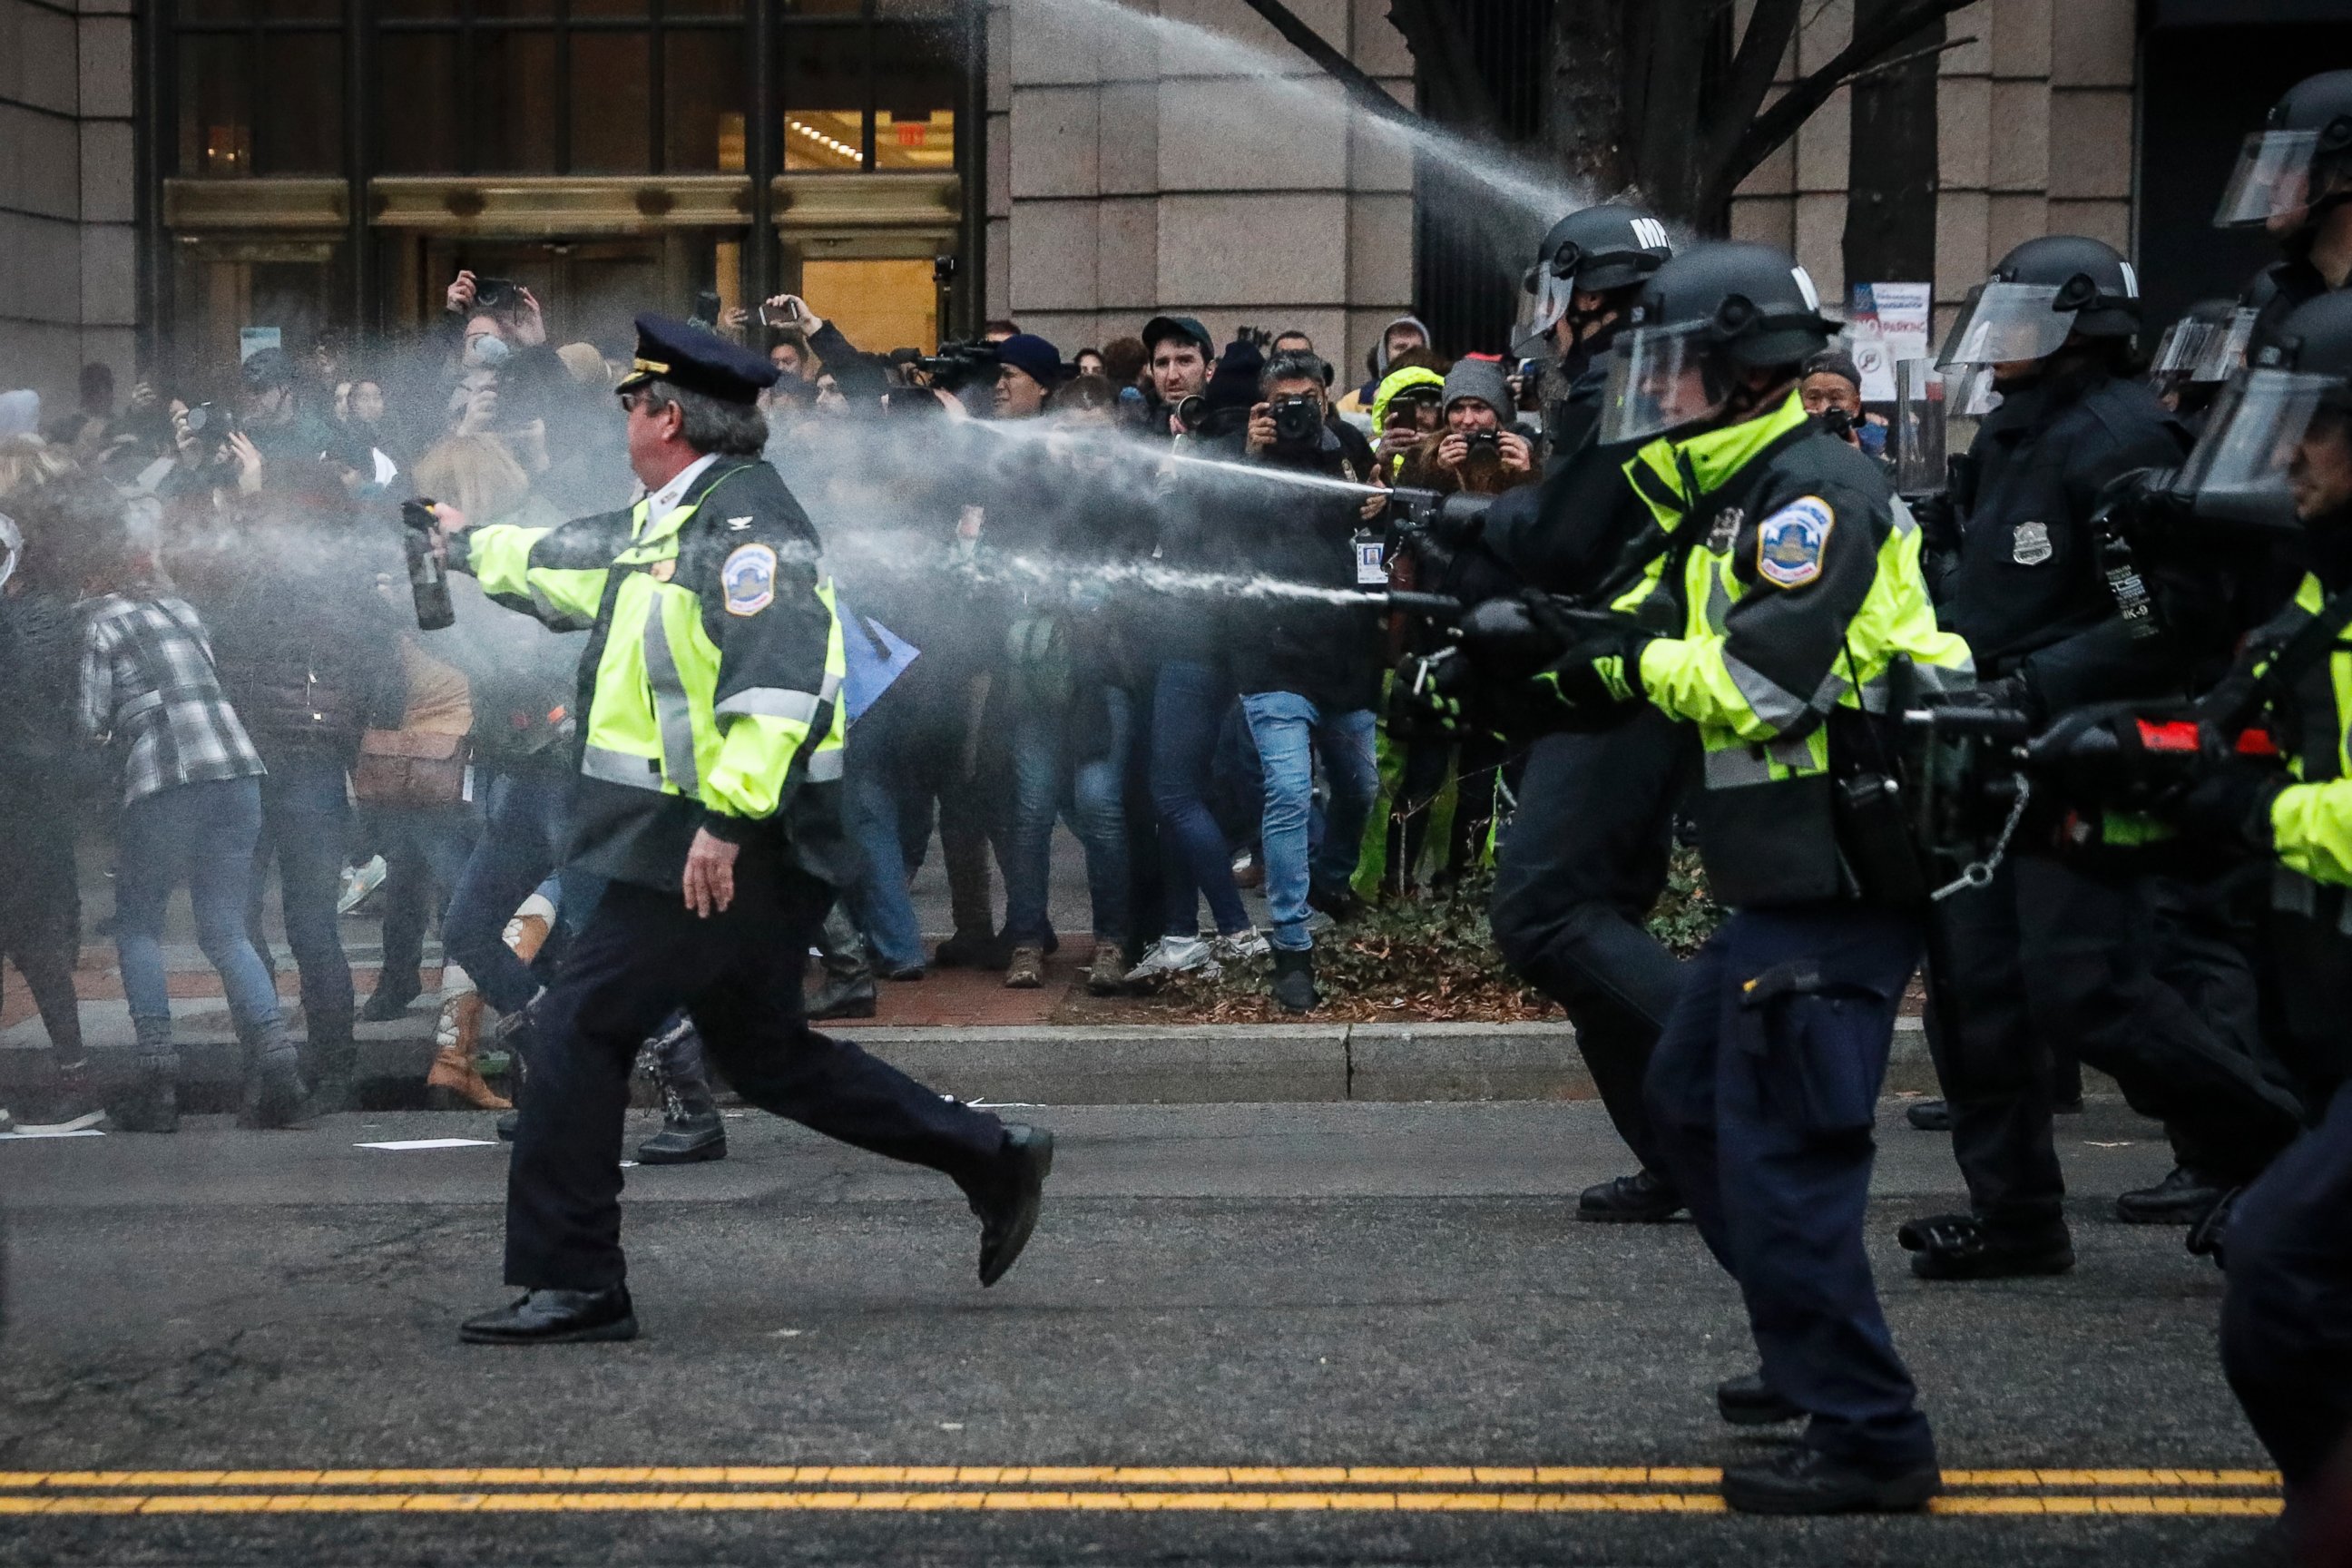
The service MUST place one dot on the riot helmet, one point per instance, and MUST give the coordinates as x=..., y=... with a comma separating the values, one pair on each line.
x=2299, y=165
x=2208, y=344
x=1600, y=250
x=1706, y=318
x=2042, y=293
x=2255, y=462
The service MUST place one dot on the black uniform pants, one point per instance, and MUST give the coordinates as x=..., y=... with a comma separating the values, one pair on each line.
x=1580, y=865
x=738, y=975
x=1765, y=1089
x=2148, y=977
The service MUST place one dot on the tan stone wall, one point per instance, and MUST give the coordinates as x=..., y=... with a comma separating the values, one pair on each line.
x=67, y=250
x=1125, y=177
x=2034, y=136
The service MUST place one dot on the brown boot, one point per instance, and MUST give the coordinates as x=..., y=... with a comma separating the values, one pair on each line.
x=455, y=1080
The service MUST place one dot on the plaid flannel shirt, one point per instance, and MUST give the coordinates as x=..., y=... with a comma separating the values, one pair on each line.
x=147, y=684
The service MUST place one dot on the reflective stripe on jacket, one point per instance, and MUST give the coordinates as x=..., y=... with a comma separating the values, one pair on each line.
x=711, y=684
x=2311, y=821
x=1793, y=585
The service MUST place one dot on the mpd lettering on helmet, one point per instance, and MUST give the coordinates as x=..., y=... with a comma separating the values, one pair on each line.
x=1789, y=542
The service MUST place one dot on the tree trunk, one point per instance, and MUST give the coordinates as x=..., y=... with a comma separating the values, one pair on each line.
x=1584, y=122
x=1890, y=215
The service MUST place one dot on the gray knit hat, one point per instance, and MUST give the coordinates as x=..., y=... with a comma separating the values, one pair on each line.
x=1482, y=379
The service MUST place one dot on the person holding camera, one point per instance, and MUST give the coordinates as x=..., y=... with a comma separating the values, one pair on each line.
x=1475, y=452
x=1180, y=357
x=1832, y=394
x=1308, y=672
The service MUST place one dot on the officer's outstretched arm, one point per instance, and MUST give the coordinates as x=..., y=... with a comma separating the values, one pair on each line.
x=555, y=573
x=779, y=655
x=1767, y=674
x=2311, y=825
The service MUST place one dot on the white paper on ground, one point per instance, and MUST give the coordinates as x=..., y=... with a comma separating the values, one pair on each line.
x=29, y=1133
x=403, y=1146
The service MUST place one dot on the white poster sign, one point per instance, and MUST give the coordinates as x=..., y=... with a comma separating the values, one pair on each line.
x=1889, y=323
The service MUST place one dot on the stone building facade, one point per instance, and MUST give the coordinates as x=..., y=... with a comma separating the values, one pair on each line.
x=69, y=192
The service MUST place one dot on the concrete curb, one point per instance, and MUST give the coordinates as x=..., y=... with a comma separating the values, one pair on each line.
x=1061, y=1065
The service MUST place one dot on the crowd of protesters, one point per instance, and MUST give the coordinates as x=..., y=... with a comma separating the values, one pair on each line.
x=208, y=614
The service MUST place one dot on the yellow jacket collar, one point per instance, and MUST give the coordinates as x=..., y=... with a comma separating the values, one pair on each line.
x=1714, y=457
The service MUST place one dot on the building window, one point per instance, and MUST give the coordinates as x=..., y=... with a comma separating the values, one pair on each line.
x=876, y=94
x=229, y=49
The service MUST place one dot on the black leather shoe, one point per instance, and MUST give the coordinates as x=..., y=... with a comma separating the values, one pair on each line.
x=965, y=952
x=2184, y=1197
x=843, y=999
x=1963, y=1246
x=1642, y=1199
x=1798, y=1479
x=386, y=1004
x=1751, y=1402
x=555, y=1318
x=1931, y=1116
x=900, y=972
x=686, y=1140
x=1008, y=1208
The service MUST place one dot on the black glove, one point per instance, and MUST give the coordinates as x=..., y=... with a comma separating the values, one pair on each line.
x=2142, y=498
x=2230, y=804
x=1429, y=699
x=1511, y=639
x=1600, y=673
x=2008, y=694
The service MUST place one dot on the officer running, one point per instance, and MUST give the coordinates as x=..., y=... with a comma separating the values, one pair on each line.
x=706, y=793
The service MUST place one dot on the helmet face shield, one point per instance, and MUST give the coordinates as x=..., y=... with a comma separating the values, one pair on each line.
x=1664, y=378
x=2272, y=179
x=12, y=545
x=1544, y=298
x=1921, y=415
x=2005, y=323
x=2203, y=351
x=2243, y=468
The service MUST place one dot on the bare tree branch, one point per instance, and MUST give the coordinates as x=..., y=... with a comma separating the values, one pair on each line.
x=1762, y=49
x=1368, y=94
x=1765, y=134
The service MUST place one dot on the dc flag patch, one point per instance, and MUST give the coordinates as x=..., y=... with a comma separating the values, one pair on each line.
x=1789, y=543
x=749, y=578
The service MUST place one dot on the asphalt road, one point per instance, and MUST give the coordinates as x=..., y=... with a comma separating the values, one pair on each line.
x=1393, y=1288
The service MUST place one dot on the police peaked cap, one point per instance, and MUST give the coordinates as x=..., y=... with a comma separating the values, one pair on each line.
x=1753, y=300
x=1606, y=247
x=688, y=358
x=2092, y=277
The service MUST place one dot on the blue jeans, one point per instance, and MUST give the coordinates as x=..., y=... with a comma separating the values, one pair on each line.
x=872, y=767
x=521, y=842
x=1188, y=711
x=202, y=835
x=425, y=851
x=1290, y=732
x=305, y=821
x=1085, y=792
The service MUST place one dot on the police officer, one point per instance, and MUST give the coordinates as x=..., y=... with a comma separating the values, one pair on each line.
x=1585, y=856
x=707, y=792
x=2293, y=179
x=1792, y=587
x=2286, y=1320
x=2105, y=941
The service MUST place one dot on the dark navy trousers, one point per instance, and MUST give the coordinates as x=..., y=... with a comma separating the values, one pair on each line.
x=1763, y=1092
x=2286, y=1320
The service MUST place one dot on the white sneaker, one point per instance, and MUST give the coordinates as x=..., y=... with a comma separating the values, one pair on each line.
x=1241, y=946
x=360, y=883
x=6, y=1121
x=1171, y=955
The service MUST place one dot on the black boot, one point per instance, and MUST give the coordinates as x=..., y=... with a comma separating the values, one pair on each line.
x=2184, y=1197
x=331, y=1062
x=1931, y=1116
x=843, y=998
x=692, y=1129
x=152, y=1104
x=1800, y=1479
x=1964, y=1246
x=72, y=1104
x=1751, y=1402
x=1294, y=980
x=1641, y=1198
x=273, y=1093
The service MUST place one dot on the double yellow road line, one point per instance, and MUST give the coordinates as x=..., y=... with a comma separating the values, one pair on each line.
x=1211, y=1489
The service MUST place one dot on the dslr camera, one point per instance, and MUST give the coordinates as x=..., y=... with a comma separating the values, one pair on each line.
x=1484, y=444
x=958, y=365
x=1296, y=422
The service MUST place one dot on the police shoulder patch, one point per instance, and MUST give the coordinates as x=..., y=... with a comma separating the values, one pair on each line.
x=1789, y=542
x=749, y=578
